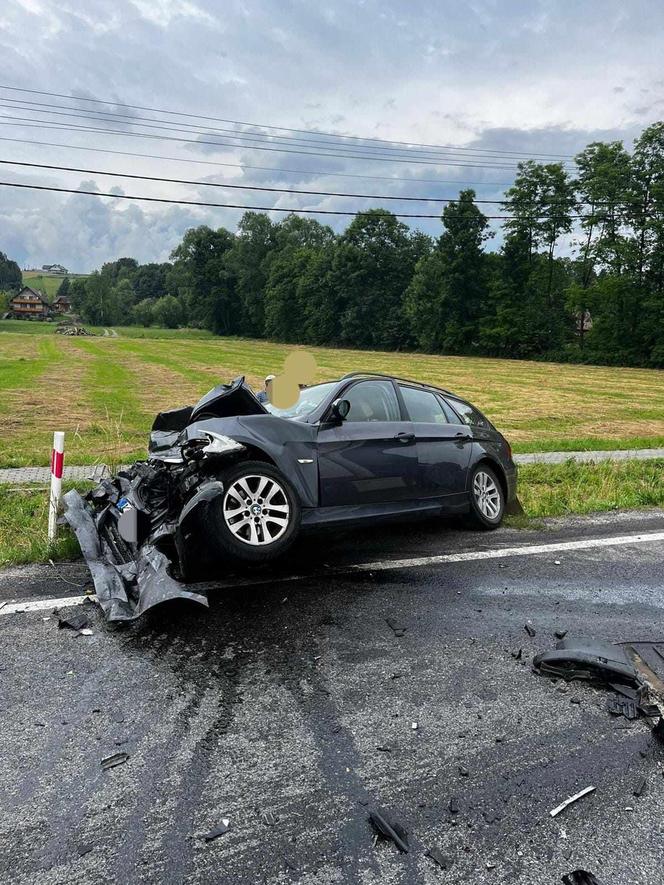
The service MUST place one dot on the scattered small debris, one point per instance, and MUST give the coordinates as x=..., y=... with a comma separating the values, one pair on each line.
x=219, y=830
x=443, y=861
x=396, y=628
x=463, y=771
x=77, y=621
x=383, y=748
x=580, y=877
x=84, y=848
x=640, y=788
x=574, y=798
x=455, y=805
x=517, y=654
x=86, y=631
x=556, y=562
x=414, y=726
x=389, y=829
x=490, y=865
x=115, y=759
x=622, y=707
x=530, y=630
x=560, y=634
x=575, y=700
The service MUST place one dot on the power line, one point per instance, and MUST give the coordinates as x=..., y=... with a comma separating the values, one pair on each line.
x=256, y=125
x=252, y=140
x=374, y=213
x=128, y=119
x=249, y=187
x=273, y=169
x=29, y=122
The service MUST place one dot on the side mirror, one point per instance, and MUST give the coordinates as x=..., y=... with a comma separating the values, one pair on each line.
x=340, y=409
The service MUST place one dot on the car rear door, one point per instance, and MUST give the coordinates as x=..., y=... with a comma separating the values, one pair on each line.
x=370, y=457
x=443, y=443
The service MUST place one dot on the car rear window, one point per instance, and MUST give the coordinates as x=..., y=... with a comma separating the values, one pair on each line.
x=469, y=414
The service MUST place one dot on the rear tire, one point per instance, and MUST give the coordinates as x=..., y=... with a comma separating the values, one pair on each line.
x=258, y=516
x=487, y=498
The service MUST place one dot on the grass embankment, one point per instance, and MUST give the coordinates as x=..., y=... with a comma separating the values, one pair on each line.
x=24, y=528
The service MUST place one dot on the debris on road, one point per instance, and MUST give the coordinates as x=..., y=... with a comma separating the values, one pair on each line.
x=587, y=659
x=561, y=634
x=622, y=707
x=77, y=621
x=217, y=831
x=387, y=828
x=114, y=760
x=640, y=788
x=398, y=629
x=580, y=877
x=563, y=805
x=530, y=630
x=443, y=861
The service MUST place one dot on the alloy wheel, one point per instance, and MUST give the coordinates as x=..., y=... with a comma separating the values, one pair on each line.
x=256, y=509
x=487, y=495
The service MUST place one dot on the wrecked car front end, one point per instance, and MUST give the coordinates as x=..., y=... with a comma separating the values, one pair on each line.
x=139, y=531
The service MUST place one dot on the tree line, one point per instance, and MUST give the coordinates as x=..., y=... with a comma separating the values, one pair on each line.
x=579, y=275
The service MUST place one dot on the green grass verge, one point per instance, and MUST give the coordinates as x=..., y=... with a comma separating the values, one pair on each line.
x=24, y=527
x=571, y=488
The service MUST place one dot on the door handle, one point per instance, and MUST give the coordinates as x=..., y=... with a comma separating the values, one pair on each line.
x=405, y=437
x=462, y=437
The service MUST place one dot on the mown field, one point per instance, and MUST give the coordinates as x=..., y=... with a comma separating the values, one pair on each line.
x=104, y=391
x=48, y=283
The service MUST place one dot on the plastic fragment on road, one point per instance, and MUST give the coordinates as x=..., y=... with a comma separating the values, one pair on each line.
x=640, y=788
x=530, y=630
x=390, y=829
x=114, y=760
x=443, y=861
x=587, y=659
x=580, y=877
x=78, y=621
x=217, y=831
x=622, y=707
x=575, y=798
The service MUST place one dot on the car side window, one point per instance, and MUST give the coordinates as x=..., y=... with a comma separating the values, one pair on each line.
x=469, y=414
x=373, y=401
x=423, y=407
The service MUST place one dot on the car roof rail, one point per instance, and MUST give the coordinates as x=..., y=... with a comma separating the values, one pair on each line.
x=349, y=375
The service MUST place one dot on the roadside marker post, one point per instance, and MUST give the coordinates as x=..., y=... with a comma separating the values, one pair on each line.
x=57, y=463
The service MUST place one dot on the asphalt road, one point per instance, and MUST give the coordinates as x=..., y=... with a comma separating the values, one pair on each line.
x=288, y=709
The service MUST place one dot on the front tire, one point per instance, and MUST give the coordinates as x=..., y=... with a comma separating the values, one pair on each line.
x=259, y=515
x=487, y=498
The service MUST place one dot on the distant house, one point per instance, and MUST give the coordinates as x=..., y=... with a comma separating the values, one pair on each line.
x=29, y=304
x=55, y=268
x=61, y=304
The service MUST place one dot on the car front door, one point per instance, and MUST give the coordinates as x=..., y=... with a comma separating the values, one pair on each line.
x=371, y=456
x=443, y=443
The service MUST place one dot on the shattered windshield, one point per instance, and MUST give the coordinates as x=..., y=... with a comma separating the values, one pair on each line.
x=310, y=398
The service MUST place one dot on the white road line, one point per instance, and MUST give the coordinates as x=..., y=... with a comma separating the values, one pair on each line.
x=381, y=565
x=38, y=605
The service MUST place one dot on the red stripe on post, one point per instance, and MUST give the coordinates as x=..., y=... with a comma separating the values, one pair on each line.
x=57, y=462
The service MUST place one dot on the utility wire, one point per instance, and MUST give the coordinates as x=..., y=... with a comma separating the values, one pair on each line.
x=273, y=169
x=244, y=123
x=282, y=190
x=374, y=213
x=250, y=187
x=341, y=141
x=73, y=127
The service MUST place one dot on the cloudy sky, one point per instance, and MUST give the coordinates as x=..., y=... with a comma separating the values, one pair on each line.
x=496, y=80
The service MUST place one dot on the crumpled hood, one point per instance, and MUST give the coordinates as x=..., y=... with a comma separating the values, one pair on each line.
x=223, y=401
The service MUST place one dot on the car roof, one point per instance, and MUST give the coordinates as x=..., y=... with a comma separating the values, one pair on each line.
x=422, y=384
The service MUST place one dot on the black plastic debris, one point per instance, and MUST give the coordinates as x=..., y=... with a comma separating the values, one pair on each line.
x=561, y=634
x=640, y=788
x=587, y=659
x=388, y=828
x=398, y=629
x=580, y=877
x=114, y=760
x=530, y=630
x=217, y=831
x=443, y=861
x=76, y=621
x=622, y=707
x=455, y=805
